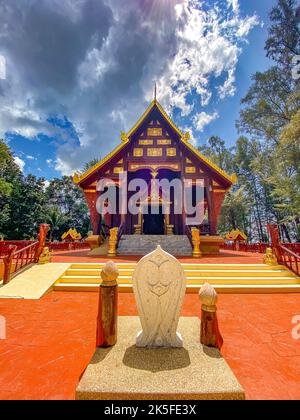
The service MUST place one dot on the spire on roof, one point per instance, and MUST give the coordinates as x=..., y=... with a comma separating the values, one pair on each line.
x=155, y=91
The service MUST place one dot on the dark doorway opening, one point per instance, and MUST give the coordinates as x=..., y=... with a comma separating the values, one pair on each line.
x=154, y=224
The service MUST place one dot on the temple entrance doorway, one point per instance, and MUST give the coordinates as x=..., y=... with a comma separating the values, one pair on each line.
x=154, y=224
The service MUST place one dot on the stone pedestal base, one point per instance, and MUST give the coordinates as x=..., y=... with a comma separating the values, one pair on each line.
x=124, y=371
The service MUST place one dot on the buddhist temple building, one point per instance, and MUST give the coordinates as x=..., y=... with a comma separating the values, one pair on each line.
x=156, y=148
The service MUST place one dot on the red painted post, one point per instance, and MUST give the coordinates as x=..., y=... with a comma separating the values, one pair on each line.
x=44, y=228
x=275, y=240
x=108, y=306
x=8, y=261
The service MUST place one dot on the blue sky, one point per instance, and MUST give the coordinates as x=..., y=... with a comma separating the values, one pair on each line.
x=85, y=70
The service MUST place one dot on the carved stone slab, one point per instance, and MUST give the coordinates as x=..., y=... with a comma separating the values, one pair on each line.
x=159, y=285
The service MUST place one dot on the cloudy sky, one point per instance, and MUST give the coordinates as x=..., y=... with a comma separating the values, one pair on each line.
x=75, y=73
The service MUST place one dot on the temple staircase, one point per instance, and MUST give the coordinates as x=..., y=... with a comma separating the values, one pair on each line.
x=178, y=245
x=226, y=278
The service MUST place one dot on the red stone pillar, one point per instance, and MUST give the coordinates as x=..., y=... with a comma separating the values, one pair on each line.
x=108, y=307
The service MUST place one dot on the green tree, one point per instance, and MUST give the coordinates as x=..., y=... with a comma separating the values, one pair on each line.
x=56, y=221
x=67, y=199
x=27, y=208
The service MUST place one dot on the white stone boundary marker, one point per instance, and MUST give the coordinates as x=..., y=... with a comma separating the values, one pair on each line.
x=159, y=285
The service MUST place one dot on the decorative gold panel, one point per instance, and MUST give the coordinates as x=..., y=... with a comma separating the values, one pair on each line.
x=138, y=152
x=154, y=151
x=121, y=161
x=188, y=160
x=145, y=142
x=171, y=151
x=118, y=170
x=164, y=142
x=154, y=132
x=190, y=170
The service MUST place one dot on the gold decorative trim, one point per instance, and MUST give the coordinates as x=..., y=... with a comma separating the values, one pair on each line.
x=118, y=170
x=90, y=191
x=137, y=166
x=154, y=132
x=146, y=142
x=190, y=170
x=164, y=142
x=171, y=151
x=155, y=151
x=138, y=152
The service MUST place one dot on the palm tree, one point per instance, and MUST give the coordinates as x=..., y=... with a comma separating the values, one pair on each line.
x=56, y=219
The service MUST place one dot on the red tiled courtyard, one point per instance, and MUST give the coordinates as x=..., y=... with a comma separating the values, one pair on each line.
x=50, y=341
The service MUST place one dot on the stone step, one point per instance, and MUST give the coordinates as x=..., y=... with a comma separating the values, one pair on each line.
x=189, y=272
x=177, y=245
x=191, y=280
x=189, y=266
x=193, y=289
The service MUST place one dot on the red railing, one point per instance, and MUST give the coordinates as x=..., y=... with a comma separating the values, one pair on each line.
x=67, y=246
x=259, y=248
x=289, y=258
x=16, y=259
x=53, y=246
x=292, y=247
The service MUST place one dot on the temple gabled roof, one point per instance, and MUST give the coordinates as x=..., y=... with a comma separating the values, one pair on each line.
x=126, y=138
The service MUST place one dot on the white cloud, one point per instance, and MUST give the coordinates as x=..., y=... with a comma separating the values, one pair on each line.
x=99, y=66
x=202, y=119
x=29, y=157
x=2, y=67
x=46, y=184
x=19, y=162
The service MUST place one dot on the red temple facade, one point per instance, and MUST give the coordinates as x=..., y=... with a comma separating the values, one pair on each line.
x=156, y=148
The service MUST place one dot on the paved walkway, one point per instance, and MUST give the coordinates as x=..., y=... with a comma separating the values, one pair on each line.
x=50, y=341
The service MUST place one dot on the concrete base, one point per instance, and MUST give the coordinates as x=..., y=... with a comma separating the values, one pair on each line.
x=210, y=245
x=126, y=372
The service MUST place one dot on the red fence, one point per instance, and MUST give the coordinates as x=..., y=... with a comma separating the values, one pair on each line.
x=258, y=248
x=53, y=246
x=67, y=246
